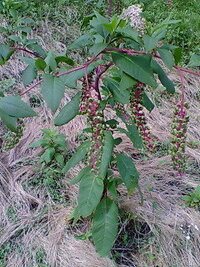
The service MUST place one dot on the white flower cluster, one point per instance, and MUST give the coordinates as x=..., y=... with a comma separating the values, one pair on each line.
x=133, y=15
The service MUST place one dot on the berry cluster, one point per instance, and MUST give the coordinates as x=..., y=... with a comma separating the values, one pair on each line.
x=139, y=115
x=12, y=138
x=179, y=130
x=90, y=105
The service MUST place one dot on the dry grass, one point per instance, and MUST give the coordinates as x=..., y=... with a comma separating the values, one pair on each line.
x=32, y=223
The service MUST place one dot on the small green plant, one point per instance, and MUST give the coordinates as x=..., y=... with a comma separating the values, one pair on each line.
x=193, y=198
x=54, y=145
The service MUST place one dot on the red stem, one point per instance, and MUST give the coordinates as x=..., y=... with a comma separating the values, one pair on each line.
x=26, y=50
x=61, y=74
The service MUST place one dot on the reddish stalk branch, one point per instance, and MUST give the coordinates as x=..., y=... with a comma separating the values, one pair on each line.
x=26, y=50
x=61, y=74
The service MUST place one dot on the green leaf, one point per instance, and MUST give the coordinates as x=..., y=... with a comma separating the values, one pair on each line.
x=82, y=173
x=15, y=38
x=194, y=61
x=178, y=53
x=9, y=121
x=90, y=193
x=27, y=60
x=37, y=49
x=129, y=33
x=137, y=67
x=105, y=226
x=106, y=154
x=14, y=106
x=40, y=64
x=128, y=172
x=50, y=61
x=29, y=75
x=134, y=135
x=53, y=90
x=149, y=42
x=60, y=159
x=48, y=155
x=167, y=57
x=126, y=82
x=5, y=53
x=146, y=102
x=80, y=154
x=37, y=143
x=82, y=41
x=97, y=48
x=132, y=132
x=111, y=27
x=166, y=82
x=64, y=59
x=119, y=95
x=69, y=111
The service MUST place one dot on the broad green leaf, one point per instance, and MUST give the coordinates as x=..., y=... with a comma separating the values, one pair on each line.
x=15, y=38
x=37, y=143
x=27, y=60
x=111, y=27
x=37, y=49
x=50, y=61
x=64, y=59
x=79, y=155
x=60, y=159
x=137, y=67
x=82, y=41
x=5, y=53
x=178, y=53
x=146, y=102
x=126, y=81
x=53, y=90
x=128, y=172
x=129, y=33
x=166, y=82
x=132, y=131
x=194, y=61
x=14, y=106
x=167, y=57
x=29, y=75
x=113, y=86
x=134, y=135
x=69, y=111
x=105, y=226
x=96, y=24
x=97, y=48
x=90, y=193
x=48, y=155
x=149, y=42
x=9, y=121
x=106, y=154
x=40, y=64
x=82, y=173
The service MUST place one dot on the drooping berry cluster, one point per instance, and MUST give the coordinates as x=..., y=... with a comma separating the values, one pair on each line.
x=90, y=106
x=179, y=130
x=12, y=138
x=139, y=115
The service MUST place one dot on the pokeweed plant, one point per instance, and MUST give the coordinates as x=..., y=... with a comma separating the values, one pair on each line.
x=121, y=67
